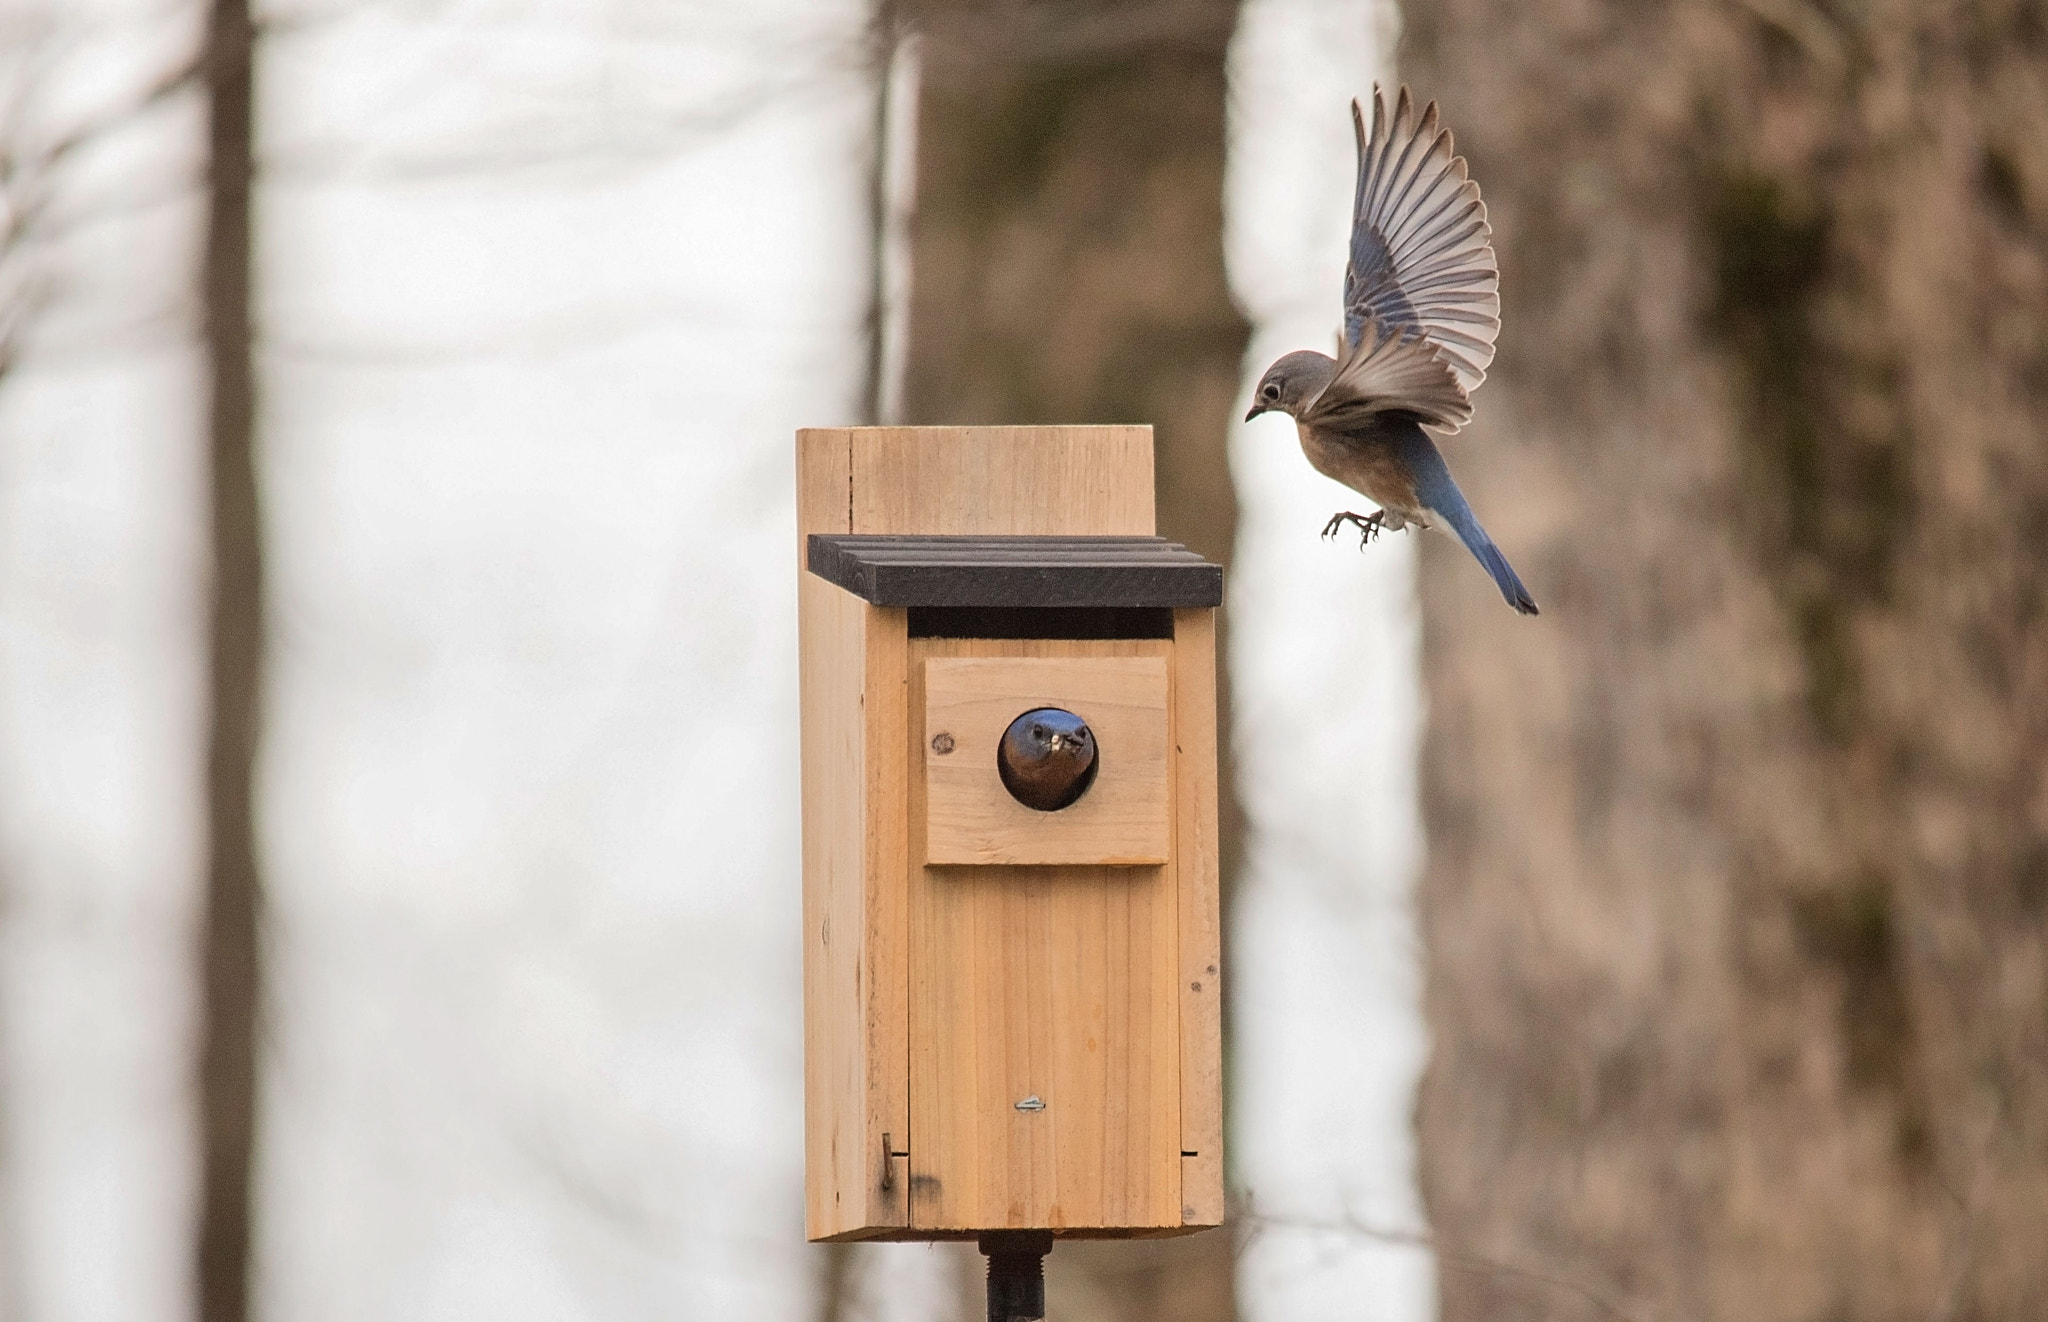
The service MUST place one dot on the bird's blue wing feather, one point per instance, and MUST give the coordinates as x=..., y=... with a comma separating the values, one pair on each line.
x=1421, y=262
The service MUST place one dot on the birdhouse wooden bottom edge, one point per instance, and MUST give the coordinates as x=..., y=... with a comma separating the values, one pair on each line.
x=903, y=1235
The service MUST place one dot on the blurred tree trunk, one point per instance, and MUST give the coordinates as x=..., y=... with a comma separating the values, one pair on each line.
x=231, y=975
x=1736, y=909
x=1067, y=266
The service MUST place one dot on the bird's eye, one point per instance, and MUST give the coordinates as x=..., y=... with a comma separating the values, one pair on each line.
x=1039, y=732
x=1271, y=391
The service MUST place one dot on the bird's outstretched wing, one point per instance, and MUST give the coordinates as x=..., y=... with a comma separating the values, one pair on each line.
x=1386, y=369
x=1421, y=262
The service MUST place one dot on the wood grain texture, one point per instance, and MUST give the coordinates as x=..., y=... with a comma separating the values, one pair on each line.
x=1122, y=819
x=1095, y=288
x=856, y=989
x=1197, y=882
x=1054, y=982
x=1036, y=481
x=1069, y=982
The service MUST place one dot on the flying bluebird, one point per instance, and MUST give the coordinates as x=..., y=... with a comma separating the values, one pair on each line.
x=1421, y=309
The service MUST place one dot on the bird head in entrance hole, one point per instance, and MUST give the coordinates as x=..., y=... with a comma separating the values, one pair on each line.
x=1047, y=758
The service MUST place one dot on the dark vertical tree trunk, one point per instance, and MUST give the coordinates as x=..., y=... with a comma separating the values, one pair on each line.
x=884, y=34
x=1737, y=892
x=231, y=969
x=1067, y=266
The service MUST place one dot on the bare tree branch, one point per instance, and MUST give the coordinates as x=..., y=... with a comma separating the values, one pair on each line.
x=1458, y=1259
x=31, y=170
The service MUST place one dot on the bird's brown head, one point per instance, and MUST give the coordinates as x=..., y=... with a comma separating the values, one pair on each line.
x=1291, y=383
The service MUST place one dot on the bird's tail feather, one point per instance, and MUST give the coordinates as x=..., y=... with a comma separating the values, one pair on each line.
x=1439, y=493
x=1466, y=526
x=1504, y=575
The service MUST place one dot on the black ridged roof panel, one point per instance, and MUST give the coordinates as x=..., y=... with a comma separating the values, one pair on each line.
x=1016, y=571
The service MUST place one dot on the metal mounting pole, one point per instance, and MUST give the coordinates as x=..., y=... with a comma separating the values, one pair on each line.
x=1016, y=1274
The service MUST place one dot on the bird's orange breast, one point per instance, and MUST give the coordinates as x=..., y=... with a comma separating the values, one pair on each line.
x=1368, y=467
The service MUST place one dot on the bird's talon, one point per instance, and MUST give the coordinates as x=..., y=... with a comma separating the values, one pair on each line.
x=1369, y=525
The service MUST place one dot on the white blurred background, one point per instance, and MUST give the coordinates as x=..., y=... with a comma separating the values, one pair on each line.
x=545, y=290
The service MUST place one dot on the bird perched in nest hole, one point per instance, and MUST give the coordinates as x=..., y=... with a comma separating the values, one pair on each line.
x=1421, y=310
x=1047, y=758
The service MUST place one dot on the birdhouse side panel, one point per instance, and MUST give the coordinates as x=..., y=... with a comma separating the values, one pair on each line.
x=856, y=981
x=1197, y=881
x=855, y=977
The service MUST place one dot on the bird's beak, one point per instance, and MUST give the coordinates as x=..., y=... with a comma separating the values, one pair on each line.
x=1257, y=409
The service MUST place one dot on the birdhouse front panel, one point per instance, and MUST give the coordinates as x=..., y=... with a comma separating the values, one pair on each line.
x=1045, y=1084
x=1011, y=945
x=970, y=704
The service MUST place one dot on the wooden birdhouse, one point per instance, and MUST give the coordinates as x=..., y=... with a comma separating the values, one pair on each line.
x=1011, y=936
